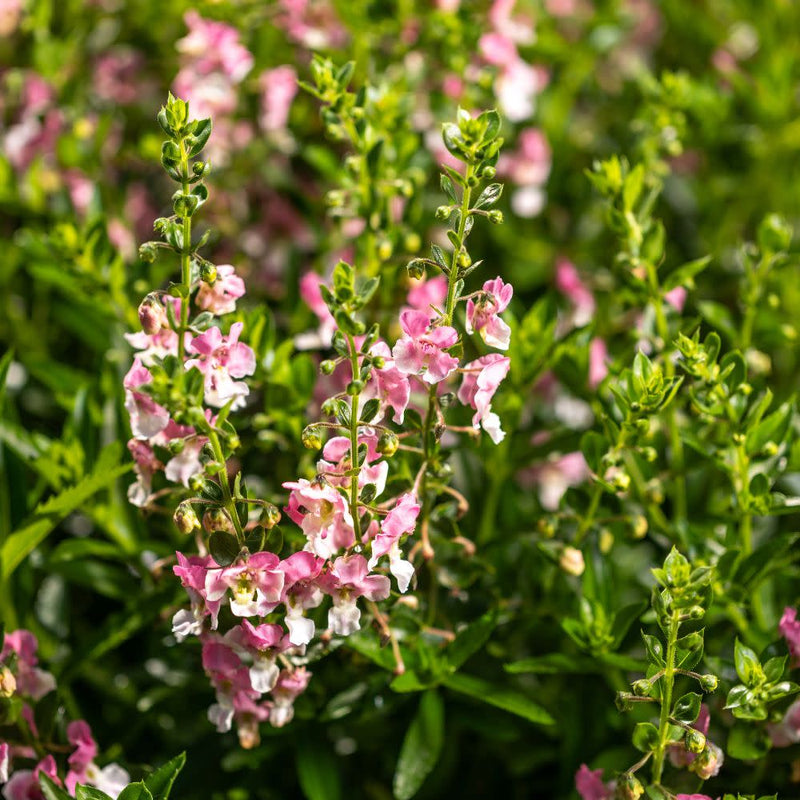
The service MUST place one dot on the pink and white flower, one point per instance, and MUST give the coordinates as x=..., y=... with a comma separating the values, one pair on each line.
x=301, y=592
x=4, y=762
x=590, y=786
x=346, y=581
x=262, y=643
x=400, y=521
x=255, y=585
x=789, y=628
x=220, y=359
x=312, y=296
x=221, y=297
x=278, y=89
x=421, y=351
x=481, y=380
x=290, y=685
x=193, y=572
x=336, y=459
x=148, y=418
x=323, y=514
x=482, y=313
x=429, y=295
x=31, y=681
x=24, y=783
x=569, y=283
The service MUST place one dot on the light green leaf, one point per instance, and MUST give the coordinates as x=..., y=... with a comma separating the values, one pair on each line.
x=160, y=782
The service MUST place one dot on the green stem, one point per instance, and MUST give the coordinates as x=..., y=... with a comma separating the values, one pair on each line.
x=186, y=268
x=452, y=278
x=228, y=501
x=588, y=517
x=354, y=465
x=667, y=683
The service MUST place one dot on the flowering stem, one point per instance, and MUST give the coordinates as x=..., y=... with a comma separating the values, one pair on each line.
x=230, y=504
x=452, y=278
x=186, y=267
x=667, y=682
x=354, y=465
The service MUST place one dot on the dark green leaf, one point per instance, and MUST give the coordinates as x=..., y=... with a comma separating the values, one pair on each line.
x=421, y=746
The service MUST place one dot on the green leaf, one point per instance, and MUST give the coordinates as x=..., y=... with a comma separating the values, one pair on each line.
x=470, y=640
x=489, y=196
x=89, y=793
x=645, y=737
x=772, y=428
x=506, y=699
x=135, y=791
x=50, y=789
x=160, y=782
x=623, y=620
x=318, y=772
x=421, y=747
x=566, y=663
x=683, y=274
x=748, y=667
x=5, y=363
x=50, y=513
x=687, y=708
x=224, y=548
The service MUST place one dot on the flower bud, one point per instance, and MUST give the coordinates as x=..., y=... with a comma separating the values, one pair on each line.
x=329, y=407
x=379, y=362
x=355, y=387
x=629, y=787
x=200, y=168
x=464, y=259
x=709, y=683
x=571, y=561
x=641, y=688
x=270, y=516
x=217, y=519
x=546, y=527
x=708, y=763
x=147, y=252
x=623, y=701
x=208, y=273
x=488, y=173
x=443, y=212
x=185, y=519
x=152, y=315
x=496, y=216
x=311, y=437
x=416, y=268
x=695, y=741
x=327, y=366
x=8, y=683
x=696, y=612
x=176, y=446
x=385, y=250
x=639, y=525
x=605, y=541
x=388, y=444
x=412, y=242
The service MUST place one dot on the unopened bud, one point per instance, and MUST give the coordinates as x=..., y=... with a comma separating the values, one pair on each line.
x=385, y=250
x=623, y=701
x=311, y=437
x=327, y=366
x=605, y=541
x=488, y=172
x=708, y=763
x=443, y=212
x=200, y=168
x=639, y=525
x=770, y=449
x=709, y=683
x=464, y=259
x=629, y=787
x=641, y=688
x=496, y=216
x=208, y=273
x=546, y=527
x=8, y=683
x=152, y=315
x=416, y=268
x=412, y=242
x=147, y=252
x=571, y=561
x=355, y=387
x=270, y=516
x=185, y=519
x=329, y=407
x=695, y=741
x=696, y=612
x=217, y=519
x=249, y=737
x=379, y=362
x=388, y=444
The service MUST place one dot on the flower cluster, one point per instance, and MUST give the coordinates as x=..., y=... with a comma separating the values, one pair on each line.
x=22, y=684
x=252, y=603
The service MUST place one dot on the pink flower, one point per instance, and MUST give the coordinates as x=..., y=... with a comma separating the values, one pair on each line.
x=255, y=585
x=290, y=685
x=193, y=572
x=300, y=592
x=336, y=455
x=426, y=293
x=497, y=49
x=215, y=45
x=31, y=681
x=482, y=313
x=24, y=783
x=401, y=520
x=4, y=761
x=555, y=476
x=323, y=514
x=148, y=418
x=787, y=731
x=422, y=348
x=312, y=296
x=692, y=797
x=263, y=643
x=676, y=298
x=388, y=384
x=345, y=583
x=278, y=89
x=590, y=786
x=222, y=296
x=221, y=358
x=145, y=466
x=481, y=379
x=789, y=628
x=186, y=464
x=598, y=368
x=569, y=283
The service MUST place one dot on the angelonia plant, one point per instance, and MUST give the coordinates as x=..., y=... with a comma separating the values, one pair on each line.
x=34, y=763
x=265, y=600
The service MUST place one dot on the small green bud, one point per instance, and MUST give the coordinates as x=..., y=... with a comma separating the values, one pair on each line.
x=472, y=181
x=311, y=437
x=352, y=164
x=355, y=387
x=379, y=362
x=270, y=516
x=217, y=519
x=774, y=234
x=416, y=268
x=770, y=449
x=147, y=252
x=176, y=446
x=464, y=259
x=443, y=212
x=388, y=444
x=640, y=526
x=488, y=173
x=629, y=787
x=200, y=168
x=234, y=442
x=327, y=366
x=695, y=741
x=196, y=483
x=709, y=683
x=329, y=407
x=696, y=612
x=185, y=518
x=546, y=527
x=496, y=216
x=641, y=688
x=208, y=273
x=623, y=701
